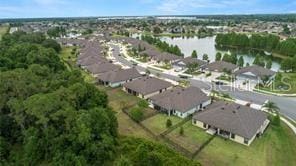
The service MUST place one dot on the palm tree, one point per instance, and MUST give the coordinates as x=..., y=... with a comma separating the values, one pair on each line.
x=270, y=106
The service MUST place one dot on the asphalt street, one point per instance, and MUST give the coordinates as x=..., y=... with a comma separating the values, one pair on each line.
x=287, y=105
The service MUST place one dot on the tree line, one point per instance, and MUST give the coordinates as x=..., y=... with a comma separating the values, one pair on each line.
x=270, y=43
x=50, y=116
x=164, y=46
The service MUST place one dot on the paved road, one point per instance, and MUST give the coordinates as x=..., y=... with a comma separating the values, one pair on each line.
x=287, y=105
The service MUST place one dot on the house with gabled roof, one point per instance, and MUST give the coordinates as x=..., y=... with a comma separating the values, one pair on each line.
x=100, y=68
x=254, y=73
x=145, y=87
x=184, y=62
x=236, y=122
x=117, y=78
x=181, y=102
x=220, y=66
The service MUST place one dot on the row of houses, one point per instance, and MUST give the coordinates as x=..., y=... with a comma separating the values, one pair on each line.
x=177, y=101
x=238, y=123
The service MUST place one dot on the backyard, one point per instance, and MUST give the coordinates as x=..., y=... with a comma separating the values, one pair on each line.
x=276, y=147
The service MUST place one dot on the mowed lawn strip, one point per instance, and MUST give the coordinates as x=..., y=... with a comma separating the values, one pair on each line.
x=157, y=123
x=192, y=138
x=276, y=147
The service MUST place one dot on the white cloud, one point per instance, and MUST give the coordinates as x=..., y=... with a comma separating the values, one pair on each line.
x=180, y=6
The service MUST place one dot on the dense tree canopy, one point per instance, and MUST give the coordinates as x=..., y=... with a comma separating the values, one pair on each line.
x=164, y=46
x=255, y=41
x=50, y=116
x=49, y=112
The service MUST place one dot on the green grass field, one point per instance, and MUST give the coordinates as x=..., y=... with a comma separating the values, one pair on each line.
x=276, y=147
x=157, y=123
x=192, y=139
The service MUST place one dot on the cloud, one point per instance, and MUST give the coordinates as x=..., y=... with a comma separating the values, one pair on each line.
x=181, y=6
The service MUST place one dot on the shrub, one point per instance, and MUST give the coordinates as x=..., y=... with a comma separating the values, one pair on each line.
x=169, y=123
x=143, y=104
x=181, y=132
x=136, y=114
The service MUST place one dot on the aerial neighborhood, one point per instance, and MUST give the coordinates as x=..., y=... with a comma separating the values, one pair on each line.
x=148, y=90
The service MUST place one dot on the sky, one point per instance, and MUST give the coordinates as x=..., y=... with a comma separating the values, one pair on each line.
x=80, y=8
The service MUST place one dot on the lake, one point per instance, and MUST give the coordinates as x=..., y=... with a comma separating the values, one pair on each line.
x=207, y=46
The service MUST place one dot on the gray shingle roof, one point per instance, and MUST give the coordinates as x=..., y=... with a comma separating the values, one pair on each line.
x=220, y=66
x=256, y=70
x=166, y=57
x=189, y=60
x=99, y=68
x=241, y=120
x=147, y=85
x=181, y=99
x=120, y=75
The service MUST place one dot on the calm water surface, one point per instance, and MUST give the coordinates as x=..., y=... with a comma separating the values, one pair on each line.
x=207, y=46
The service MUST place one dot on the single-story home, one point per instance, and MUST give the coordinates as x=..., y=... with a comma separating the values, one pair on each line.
x=238, y=123
x=146, y=87
x=119, y=77
x=99, y=68
x=254, y=73
x=88, y=61
x=220, y=66
x=183, y=63
x=166, y=58
x=180, y=101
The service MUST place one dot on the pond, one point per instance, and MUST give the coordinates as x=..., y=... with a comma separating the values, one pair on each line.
x=207, y=46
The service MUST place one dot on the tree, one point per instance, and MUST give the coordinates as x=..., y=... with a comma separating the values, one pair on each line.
x=218, y=56
x=181, y=131
x=205, y=57
x=269, y=64
x=276, y=120
x=169, y=123
x=50, y=43
x=157, y=30
x=143, y=104
x=136, y=114
x=287, y=64
x=240, y=61
x=259, y=61
x=194, y=54
x=270, y=106
x=147, y=72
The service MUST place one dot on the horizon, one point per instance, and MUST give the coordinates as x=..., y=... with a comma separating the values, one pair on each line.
x=18, y=9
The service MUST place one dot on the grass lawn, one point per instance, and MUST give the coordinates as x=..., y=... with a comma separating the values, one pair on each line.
x=157, y=123
x=118, y=98
x=166, y=66
x=128, y=127
x=193, y=137
x=3, y=30
x=287, y=86
x=276, y=147
x=225, y=78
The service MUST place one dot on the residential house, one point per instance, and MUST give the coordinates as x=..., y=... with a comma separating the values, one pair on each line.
x=181, y=102
x=220, y=66
x=238, y=123
x=254, y=73
x=184, y=62
x=146, y=87
x=165, y=58
x=118, y=77
x=99, y=68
